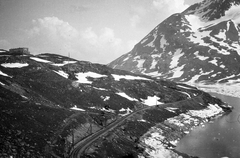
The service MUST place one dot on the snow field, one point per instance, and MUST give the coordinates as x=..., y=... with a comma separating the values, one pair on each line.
x=198, y=36
x=153, y=142
x=229, y=89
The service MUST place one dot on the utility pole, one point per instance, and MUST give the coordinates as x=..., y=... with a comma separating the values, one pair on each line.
x=90, y=127
x=68, y=61
x=72, y=137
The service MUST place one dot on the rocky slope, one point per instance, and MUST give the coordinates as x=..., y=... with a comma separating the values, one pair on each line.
x=49, y=102
x=201, y=44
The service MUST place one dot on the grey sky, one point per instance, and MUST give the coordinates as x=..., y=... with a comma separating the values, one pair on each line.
x=93, y=30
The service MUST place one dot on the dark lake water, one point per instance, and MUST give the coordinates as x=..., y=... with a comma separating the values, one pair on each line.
x=219, y=139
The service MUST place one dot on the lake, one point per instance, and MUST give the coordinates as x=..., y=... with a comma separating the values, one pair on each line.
x=218, y=139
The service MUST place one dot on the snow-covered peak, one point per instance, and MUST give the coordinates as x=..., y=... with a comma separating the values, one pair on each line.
x=209, y=10
x=194, y=45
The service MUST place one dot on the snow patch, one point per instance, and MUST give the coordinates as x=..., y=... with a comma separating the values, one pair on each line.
x=64, y=63
x=108, y=110
x=4, y=74
x=177, y=72
x=76, y=108
x=210, y=111
x=82, y=76
x=154, y=146
x=101, y=89
x=175, y=58
x=140, y=63
x=222, y=33
x=227, y=77
x=126, y=96
x=142, y=120
x=189, y=96
x=40, y=60
x=199, y=56
x=144, y=40
x=201, y=73
x=195, y=22
x=171, y=109
x=14, y=65
x=222, y=66
x=128, y=111
x=154, y=63
x=163, y=42
x=152, y=100
x=105, y=98
x=181, y=86
x=154, y=74
x=151, y=44
x=125, y=59
x=214, y=62
x=103, y=109
x=24, y=97
x=62, y=73
x=183, y=120
x=233, y=13
x=128, y=77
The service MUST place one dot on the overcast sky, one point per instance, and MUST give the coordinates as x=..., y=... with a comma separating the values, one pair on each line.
x=93, y=30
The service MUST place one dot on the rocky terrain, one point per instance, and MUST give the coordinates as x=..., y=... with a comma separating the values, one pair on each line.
x=199, y=45
x=49, y=103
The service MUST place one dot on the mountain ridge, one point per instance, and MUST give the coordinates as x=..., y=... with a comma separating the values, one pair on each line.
x=50, y=102
x=185, y=48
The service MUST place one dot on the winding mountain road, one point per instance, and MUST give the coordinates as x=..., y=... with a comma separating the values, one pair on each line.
x=81, y=146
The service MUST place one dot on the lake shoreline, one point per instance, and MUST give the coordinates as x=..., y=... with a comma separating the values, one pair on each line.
x=219, y=138
x=161, y=140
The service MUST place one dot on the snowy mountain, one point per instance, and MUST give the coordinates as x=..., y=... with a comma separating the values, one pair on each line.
x=201, y=44
x=50, y=105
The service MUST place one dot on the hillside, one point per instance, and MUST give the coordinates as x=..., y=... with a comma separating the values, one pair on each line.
x=49, y=103
x=199, y=45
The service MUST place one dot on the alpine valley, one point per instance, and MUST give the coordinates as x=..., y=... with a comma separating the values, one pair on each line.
x=56, y=106
x=199, y=46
